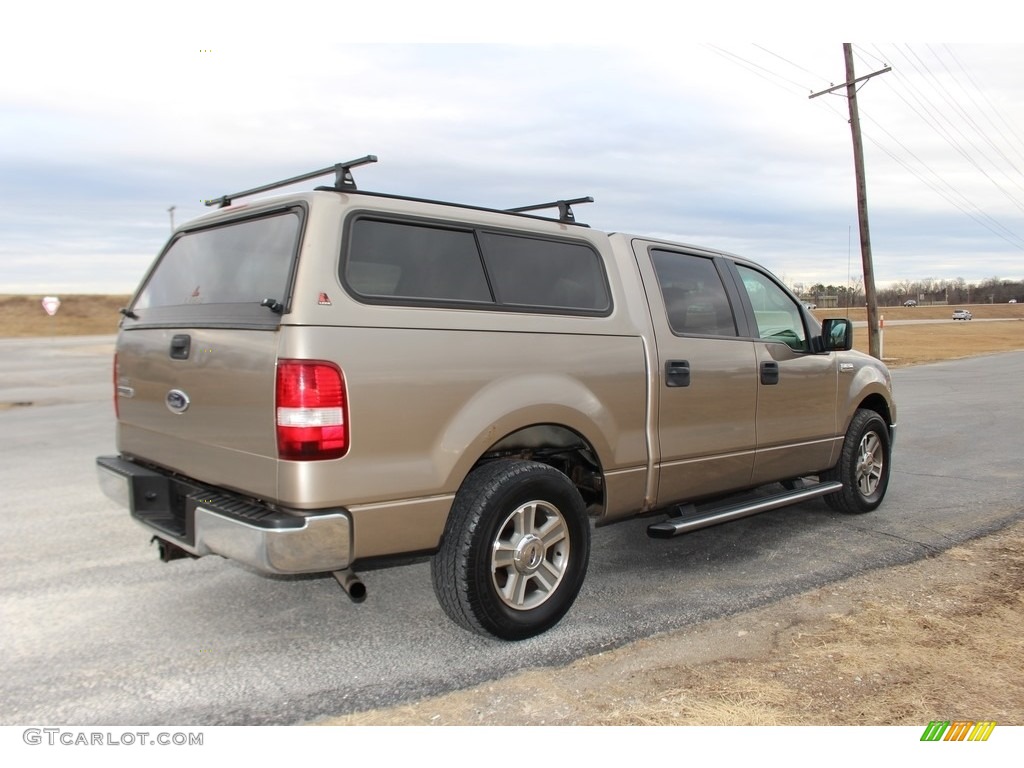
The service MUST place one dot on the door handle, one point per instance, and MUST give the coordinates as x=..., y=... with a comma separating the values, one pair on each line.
x=677, y=373
x=181, y=344
x=770, y=373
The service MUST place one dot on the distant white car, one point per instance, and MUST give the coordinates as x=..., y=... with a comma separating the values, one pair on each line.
x=962, y=314
x=810, y=305
x=909, y=303
x=1012, y=301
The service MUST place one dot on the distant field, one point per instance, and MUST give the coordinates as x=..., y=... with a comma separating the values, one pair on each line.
x=22, y=316
x=79, y=315
x=936, y=312
x=912, y=344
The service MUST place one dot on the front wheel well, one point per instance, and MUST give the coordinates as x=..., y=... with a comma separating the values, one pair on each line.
x=879, y=405
x=561, y=448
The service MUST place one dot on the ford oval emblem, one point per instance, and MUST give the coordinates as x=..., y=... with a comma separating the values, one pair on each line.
x=177, y=401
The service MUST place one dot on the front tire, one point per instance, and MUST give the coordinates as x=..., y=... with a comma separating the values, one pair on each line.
x=514, y=552
x=863, y=466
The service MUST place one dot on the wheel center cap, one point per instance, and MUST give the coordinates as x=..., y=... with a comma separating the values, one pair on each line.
x=529, y=553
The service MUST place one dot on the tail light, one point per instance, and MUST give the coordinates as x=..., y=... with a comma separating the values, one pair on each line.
x=312, y=411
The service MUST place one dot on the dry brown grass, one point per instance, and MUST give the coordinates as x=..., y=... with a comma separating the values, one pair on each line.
x=913, y=344
x=934, y=312
x=904, y=345
x=79, y=315
x=940, y=638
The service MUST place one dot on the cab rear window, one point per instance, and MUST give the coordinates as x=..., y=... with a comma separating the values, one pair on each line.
x=236, y=263
x=229, y=275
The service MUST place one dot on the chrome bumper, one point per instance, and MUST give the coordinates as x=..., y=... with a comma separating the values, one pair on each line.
x=203, y=521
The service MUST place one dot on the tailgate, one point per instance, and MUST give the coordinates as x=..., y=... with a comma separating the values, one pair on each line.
x=210, y=415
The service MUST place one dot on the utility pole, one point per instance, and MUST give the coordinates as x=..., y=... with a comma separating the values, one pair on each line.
x=171, y=211
x=874, y=345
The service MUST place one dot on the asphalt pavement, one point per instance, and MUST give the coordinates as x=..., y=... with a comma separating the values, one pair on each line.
x=97, y=631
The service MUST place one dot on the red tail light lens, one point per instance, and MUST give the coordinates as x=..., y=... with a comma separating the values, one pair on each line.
x=312, y=411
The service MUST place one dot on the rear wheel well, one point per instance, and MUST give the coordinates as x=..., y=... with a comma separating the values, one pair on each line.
x=561, y=448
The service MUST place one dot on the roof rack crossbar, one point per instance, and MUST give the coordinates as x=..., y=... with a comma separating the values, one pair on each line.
x=342, y=180
x=564, y=207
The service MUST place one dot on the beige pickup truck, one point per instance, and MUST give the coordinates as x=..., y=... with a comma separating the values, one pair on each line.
x=334, y=378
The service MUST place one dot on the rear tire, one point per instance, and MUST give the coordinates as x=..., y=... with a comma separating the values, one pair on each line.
x=863, y=466
x=514, y=552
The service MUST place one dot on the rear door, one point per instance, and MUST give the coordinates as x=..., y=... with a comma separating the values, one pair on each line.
x=196, y=356
x=707, y=391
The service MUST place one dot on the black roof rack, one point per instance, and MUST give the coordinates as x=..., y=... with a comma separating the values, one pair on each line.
x=564, y=208
x=343, y=180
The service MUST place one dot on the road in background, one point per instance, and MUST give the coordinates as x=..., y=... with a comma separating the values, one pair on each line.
x=97, y=631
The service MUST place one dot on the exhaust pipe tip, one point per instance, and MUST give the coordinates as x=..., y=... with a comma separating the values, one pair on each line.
x=352, y=585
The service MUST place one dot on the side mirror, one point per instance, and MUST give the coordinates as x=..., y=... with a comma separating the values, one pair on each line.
x=837, y=334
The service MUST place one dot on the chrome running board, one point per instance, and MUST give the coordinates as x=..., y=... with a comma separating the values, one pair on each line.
x=687, y=518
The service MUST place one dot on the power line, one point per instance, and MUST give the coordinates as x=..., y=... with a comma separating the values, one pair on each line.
x=792, y=64
x=959, y=147
x=861, y=52
x=981, y=218
x=927, y=111
x=980, y=91
x=968, y=118
x=755, y=68
x=948, y=115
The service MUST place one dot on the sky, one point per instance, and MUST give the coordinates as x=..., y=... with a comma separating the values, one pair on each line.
x=111, y=113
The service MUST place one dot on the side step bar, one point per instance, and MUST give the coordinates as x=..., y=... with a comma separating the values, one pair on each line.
x=691, y=519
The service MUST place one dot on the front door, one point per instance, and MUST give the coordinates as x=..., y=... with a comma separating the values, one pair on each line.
x=796, y=393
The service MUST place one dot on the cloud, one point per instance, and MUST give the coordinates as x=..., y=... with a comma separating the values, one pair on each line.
x=100, y=135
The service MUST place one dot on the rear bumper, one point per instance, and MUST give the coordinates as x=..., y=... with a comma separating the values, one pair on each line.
x=203, y=520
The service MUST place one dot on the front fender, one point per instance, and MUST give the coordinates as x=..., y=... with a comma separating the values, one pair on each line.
x=869, y=386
